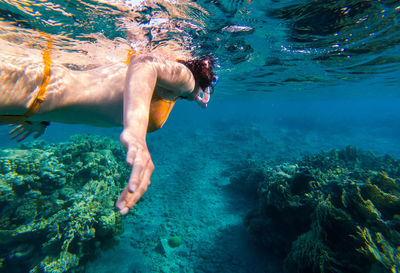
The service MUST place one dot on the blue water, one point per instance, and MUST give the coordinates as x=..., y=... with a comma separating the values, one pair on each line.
x=334, y=120
x=292, y=84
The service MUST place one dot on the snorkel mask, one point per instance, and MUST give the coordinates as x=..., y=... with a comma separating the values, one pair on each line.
x=204, y=75
x=203, y=96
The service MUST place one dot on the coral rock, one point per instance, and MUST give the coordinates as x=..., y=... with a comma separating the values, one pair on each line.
x=57, y=203
x=334, y=212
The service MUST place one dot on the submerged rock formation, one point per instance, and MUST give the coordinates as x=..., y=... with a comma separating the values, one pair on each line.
x=337, y=211
x=57, y=203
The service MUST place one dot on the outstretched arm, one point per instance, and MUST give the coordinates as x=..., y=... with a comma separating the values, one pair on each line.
x=139, y=87
x=144, y=75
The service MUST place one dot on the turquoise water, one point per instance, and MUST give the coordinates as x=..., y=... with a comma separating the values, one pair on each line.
x=295, y=78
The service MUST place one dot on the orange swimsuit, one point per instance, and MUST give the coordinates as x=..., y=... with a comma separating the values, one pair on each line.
x=159, y=112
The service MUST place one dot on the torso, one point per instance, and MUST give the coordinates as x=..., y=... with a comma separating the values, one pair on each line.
x=93, y=97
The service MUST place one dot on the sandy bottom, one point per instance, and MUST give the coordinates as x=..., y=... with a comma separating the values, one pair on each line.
x=190, y=197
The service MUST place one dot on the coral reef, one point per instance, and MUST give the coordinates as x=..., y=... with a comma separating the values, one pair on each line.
x=245, y=176
x=57, y=203
x=336, y=211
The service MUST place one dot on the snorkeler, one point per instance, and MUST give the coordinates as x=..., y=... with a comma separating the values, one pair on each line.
x=139, y=98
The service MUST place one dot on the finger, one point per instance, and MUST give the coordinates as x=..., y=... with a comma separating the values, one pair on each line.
x=139, y=163
x=128, y=193
x=142, y=188
x=15, y=129
x=135, y=178
x=24, y=136
x=128, y=199
x=17, y=134
x=122, y=201
x=132, y=155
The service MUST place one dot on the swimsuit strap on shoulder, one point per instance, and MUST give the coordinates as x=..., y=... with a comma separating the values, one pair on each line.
x=41, y=94
x=131, y=52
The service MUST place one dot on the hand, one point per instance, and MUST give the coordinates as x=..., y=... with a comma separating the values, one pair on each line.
x=28, y=127
x=138, y=157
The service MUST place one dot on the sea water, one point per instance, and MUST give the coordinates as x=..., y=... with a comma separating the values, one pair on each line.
x=296, y=78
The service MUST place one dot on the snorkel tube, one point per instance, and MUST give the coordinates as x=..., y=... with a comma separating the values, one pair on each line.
x=203, y=97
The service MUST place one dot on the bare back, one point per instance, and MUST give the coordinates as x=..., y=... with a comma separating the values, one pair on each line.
x=93, y=97
x=87, y=97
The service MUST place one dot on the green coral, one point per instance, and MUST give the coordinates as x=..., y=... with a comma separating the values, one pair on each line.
x=174, y=241
x=333, y=212
x=57, y=203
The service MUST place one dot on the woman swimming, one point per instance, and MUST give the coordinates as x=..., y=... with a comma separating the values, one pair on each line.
x=140, y=98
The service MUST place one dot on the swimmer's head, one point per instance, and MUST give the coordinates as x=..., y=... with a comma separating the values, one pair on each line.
x=203, y=73
x=204, y=76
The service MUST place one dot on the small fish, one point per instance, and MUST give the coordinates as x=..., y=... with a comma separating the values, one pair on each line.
x=235, y=28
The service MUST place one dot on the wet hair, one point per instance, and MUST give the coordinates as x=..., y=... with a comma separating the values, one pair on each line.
x=202, y=70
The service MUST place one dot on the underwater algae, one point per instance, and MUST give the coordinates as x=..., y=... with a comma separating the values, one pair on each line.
x=336, y=211
x=57, y=203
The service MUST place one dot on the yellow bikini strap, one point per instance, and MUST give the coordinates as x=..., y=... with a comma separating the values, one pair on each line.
x=41, y=94
x=131, y=52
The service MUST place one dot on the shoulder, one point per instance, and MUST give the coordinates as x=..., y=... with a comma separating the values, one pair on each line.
x=157, y=60
x=146, y=58
x=164, y=67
